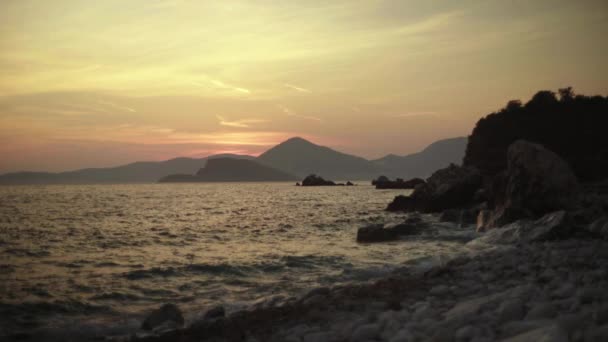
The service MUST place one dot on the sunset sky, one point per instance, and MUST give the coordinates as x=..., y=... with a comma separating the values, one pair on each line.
x=102, y=83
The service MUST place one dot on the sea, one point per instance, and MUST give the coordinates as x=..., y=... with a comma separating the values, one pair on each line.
x=92, y=260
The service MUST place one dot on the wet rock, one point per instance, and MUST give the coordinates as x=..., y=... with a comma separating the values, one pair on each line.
x=409, y=227
x=451, y=187
x=168, y=313
x=537, y=181
x=379, y=233
x=549, y=227
x=401, y=203
x=461, y=217
x=483, y=218
x=349, y=183
x=376, y=233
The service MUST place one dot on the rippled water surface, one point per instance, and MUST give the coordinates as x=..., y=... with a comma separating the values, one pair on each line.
x=108, y=253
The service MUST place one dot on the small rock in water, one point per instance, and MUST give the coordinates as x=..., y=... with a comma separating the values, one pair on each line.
x=168, y=313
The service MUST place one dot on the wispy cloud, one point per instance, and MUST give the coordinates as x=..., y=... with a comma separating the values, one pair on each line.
x=222, y=85
x=296, y=88
x=414, y=114
x=244, y=123
x=211, y=83
x=116, y=106
x=292, y=113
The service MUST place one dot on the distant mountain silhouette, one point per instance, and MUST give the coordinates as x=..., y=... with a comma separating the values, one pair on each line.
x=295, y=157
x=434, y=157
x=301, y=158
x=232, y=170
x=138, y=172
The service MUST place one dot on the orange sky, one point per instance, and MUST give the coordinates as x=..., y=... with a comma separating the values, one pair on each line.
x=90, y=84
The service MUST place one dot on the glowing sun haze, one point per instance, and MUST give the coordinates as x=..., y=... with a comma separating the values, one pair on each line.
x=88, y=84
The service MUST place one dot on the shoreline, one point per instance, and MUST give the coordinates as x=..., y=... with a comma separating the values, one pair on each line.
x=492, y=292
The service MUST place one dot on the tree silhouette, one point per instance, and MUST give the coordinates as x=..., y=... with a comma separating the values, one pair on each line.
x=573, y=126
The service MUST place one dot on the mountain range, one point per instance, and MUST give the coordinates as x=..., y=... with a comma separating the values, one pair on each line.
x=232, y=170
x=295, y=157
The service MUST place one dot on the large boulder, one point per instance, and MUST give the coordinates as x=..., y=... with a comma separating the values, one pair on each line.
x=450, y=187
x=379, y=233
x=376, y=233
x=537, y=181
x=314, y=180
x=167, y=315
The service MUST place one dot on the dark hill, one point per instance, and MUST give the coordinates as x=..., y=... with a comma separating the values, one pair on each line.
x=422, y=164
x=573, y=126
x=301, y=157
x=233, y=170
x=138, y=172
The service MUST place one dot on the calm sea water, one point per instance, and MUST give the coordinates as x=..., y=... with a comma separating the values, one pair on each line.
x=97, y=257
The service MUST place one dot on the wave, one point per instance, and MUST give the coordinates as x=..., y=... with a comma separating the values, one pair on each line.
x=119, y=296
x=151, y=273
x=54, y=307
x=272, y=263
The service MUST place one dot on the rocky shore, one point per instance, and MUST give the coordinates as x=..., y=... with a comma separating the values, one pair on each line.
x=548, y=291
